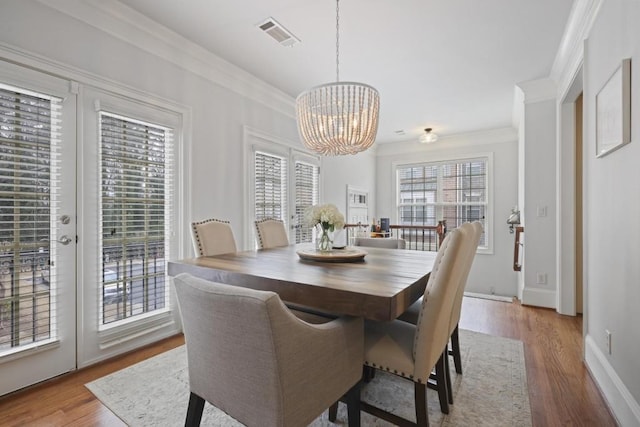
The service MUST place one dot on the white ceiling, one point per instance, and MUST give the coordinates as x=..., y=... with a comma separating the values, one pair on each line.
x=447, y=64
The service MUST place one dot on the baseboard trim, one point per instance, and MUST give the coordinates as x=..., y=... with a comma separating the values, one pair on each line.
x=488, y=296
x=622, y=404
x=539, y=297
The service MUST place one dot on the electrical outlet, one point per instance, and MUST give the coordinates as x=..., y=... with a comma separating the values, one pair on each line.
x=541, y=211
x=541, y=278
x=608, y=340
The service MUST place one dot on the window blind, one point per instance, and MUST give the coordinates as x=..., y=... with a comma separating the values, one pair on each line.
x=306, y=195
x=29, y=151
x=136, y=161
x=454, y=191
x=270, y=192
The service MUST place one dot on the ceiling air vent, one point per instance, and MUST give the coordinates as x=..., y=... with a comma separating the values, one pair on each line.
x=278, y=32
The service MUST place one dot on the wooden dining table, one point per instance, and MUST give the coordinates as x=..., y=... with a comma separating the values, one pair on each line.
x=380, y=286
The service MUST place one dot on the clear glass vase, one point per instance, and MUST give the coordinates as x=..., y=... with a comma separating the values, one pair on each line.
x=324, y=240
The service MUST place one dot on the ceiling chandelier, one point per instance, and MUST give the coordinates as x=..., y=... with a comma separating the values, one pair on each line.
x=428, y=137
x=338, y=118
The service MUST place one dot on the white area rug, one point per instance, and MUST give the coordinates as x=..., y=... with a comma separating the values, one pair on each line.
x=491, y=392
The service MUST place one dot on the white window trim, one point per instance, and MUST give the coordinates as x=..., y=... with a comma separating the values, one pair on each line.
x=170, y=123
x=488, y=223
x=130, y=333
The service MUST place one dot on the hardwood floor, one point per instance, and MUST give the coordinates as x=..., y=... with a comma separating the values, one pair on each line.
x=561, y=391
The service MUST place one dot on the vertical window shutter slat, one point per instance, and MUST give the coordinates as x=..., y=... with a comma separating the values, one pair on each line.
x=136, y=191
x=29, y=183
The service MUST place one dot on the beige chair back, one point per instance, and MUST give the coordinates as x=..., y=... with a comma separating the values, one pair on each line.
x=475, y=232
x=250, y=357
x=271, y=233
x=432, y=329
x=212, y=237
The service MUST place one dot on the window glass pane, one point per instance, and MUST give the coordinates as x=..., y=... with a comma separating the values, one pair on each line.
x=28, y=146
x=453, y=191
x=135, y=196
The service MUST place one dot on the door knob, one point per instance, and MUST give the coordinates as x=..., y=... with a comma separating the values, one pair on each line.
x=65, y=240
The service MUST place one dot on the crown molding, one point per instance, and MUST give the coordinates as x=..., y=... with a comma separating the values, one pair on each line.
x=468, y=139
x=570, y=54
x=128, y=25
x=538, y=90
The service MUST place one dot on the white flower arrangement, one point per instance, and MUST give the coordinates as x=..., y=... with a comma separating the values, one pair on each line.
x=328, y=216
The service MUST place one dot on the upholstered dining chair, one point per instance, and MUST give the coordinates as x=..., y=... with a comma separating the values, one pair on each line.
x=411, y=315
x=252, y=358
x=413, y=351
x=212, y=237
x=271, y=233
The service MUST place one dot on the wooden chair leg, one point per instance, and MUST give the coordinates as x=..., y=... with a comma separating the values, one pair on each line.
x=352, y=399
x=441, y=383
x=447, y=375
x=455, y=350
x=194, y=411
x=422, y=413
x=333, y=412
x=368, y=373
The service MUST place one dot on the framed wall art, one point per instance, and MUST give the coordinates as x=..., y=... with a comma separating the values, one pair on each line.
x=613, y=111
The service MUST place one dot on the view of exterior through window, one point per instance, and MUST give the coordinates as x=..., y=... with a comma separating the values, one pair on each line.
x=136, y=159
x=454, y=191
x=28, y=143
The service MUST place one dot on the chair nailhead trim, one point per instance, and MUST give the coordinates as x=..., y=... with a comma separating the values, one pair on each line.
x=393, y=371
x=258, y=228
x=195, y=230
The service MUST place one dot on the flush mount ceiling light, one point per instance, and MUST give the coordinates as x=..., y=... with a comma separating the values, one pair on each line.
x=338, y=118
x=428, y=137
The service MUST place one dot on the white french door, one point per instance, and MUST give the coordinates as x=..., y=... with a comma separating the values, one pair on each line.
x=87, y=220
x=37, y=227
x=127, y=216
x=283, y=182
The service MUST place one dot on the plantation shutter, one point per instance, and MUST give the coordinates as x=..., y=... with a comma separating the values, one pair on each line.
x=270, y=192
x=136, y=195
x=30, y=141
x=306, y=195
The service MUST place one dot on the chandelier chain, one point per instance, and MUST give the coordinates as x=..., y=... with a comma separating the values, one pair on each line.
x=337, y=40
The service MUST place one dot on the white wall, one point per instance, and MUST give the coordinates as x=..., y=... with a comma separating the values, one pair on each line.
x=612, y=209
x=538, y=210
x=491, y=273
x=358, y=171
